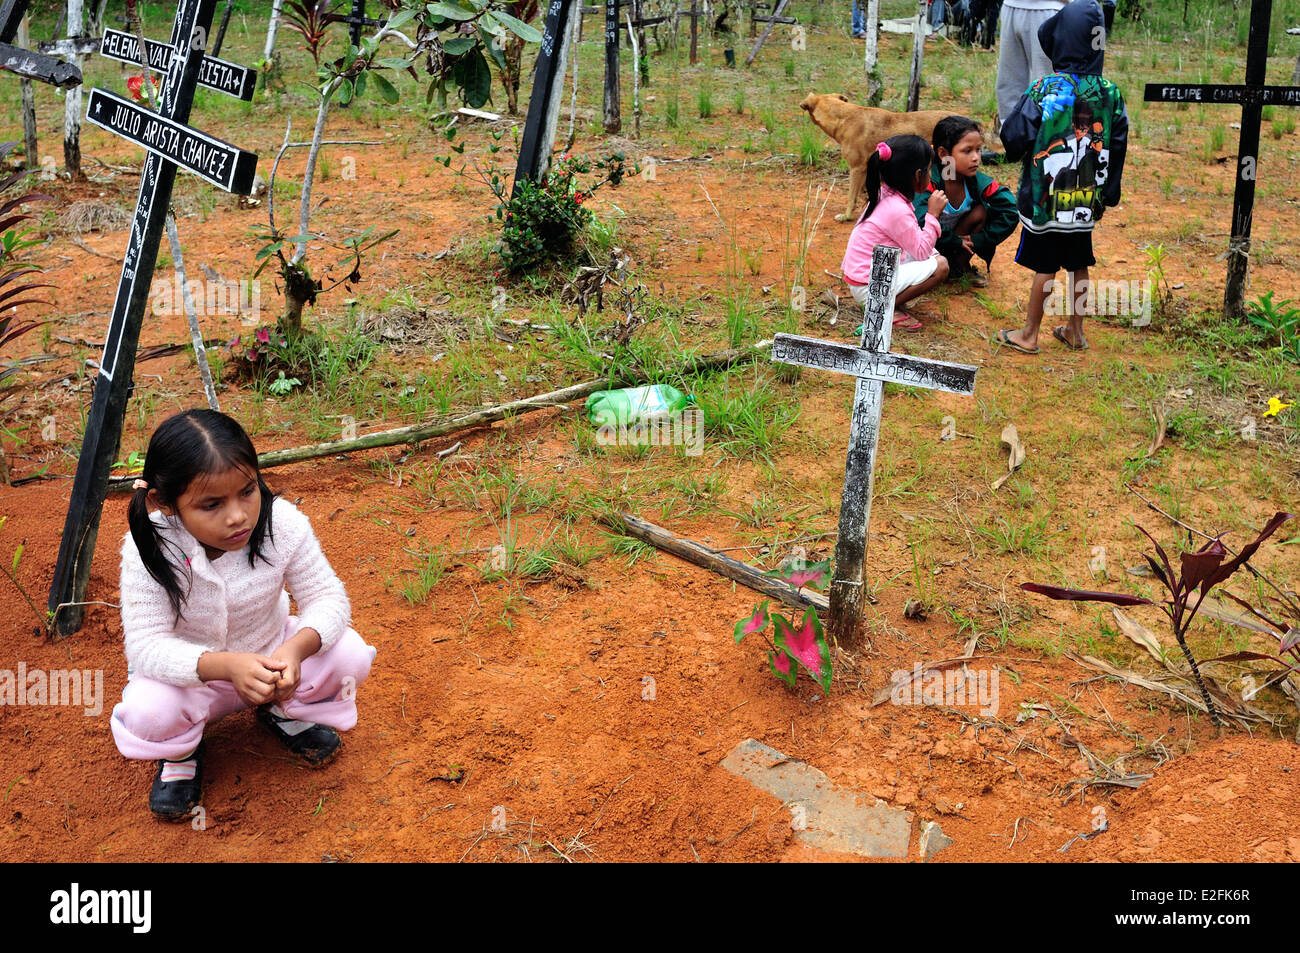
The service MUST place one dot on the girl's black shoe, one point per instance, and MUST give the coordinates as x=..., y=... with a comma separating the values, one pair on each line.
x=174, y=798
x=315, y=744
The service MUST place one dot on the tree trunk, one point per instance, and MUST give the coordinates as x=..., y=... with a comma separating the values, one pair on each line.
x=875, y=85
x=72, y=100
x=271, y=29
x=33, y=160
x=918, y=52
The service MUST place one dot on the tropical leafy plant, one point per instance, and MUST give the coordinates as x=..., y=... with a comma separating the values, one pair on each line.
x=15, y=286
x=793, y=646
x=1277, y=320
x=1201, y=572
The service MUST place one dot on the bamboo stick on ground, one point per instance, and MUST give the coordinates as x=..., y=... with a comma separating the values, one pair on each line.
x=710, y=559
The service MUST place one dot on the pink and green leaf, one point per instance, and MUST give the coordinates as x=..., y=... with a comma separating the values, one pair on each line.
x=783, y=667
x=756, y=621
x=800, y=575
x=806, y=643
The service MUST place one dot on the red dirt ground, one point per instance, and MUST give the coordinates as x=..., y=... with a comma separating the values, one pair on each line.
x=546, y=716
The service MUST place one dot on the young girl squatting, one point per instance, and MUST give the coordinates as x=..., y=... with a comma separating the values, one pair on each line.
x=206, y=617
x=899, y=168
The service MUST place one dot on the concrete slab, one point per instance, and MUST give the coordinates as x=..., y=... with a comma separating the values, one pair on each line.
x=823, y=817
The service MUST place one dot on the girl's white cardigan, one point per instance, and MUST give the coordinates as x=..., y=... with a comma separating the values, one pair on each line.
x=231, y=607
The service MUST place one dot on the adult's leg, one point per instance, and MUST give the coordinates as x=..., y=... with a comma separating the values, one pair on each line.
x=1013, y=63
x=1040, y=64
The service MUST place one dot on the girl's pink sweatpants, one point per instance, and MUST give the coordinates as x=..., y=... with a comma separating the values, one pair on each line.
x=155, y=720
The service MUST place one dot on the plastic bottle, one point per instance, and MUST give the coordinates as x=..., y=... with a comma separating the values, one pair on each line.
x=632, y=405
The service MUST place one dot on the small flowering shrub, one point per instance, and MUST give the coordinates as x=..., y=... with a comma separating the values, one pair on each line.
x=543, y=221
x=793, y=645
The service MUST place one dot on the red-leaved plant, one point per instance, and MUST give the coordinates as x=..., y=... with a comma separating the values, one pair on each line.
x=792, y=645
x=1202, y=570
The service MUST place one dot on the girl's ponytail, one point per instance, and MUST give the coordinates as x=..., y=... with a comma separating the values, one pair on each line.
x=895, y=162
x=872, y=184
x=150, y=543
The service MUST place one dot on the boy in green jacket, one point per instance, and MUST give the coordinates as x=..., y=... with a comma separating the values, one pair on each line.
x=1071, y=127
x=981, y=212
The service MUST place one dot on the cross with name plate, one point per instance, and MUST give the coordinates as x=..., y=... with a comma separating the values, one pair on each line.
x=1252, y=96
x=872, y=364
x=170, y=144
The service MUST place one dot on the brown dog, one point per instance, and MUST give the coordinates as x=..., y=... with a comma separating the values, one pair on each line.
x=858, y=129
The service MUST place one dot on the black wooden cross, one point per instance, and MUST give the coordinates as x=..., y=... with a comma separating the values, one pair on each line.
x=872, y=364
x=355, y=19
x=26, y=63
x=694, y=13
x=613, y=101
x=547, y=96
x=169, y=143
x=1252, y=96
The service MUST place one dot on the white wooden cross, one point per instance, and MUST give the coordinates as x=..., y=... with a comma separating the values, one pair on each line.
x=872, y=364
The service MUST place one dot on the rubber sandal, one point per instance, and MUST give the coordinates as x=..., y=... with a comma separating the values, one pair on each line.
x=1058, y=332
x=908, y=323
x=1004, y=338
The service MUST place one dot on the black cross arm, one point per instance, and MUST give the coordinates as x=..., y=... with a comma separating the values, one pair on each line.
x=356, y=21
x=1225, y=93
x=38, y=66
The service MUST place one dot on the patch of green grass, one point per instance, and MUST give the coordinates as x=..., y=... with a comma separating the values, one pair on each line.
x=745, y=417
x=1025, y=536
x=704, y=99
x=809, y=147
x=419, y=583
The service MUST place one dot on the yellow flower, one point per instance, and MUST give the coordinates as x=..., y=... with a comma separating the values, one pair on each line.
x=1275, y=405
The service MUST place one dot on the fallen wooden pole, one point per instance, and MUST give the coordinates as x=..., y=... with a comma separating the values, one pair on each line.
x=419, y=432
x=703, y=556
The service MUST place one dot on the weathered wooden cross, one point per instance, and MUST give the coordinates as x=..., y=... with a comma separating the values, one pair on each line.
x=771, y=22
x=170, y=143
x=1252, y=96
x=26, y=63
x=613, y=118
x=872, y=364
x=694, y=12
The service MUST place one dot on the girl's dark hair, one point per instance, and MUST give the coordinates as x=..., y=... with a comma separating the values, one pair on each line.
x=184, y=448
x=907, y=154
x=950, y=130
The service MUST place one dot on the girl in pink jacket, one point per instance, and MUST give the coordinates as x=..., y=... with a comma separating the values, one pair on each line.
x=899, y=168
